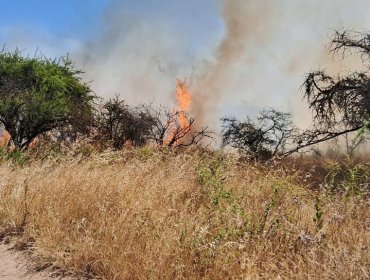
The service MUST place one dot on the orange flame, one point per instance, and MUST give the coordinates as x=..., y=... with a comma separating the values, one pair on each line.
x=183, y=97
x=4, y=139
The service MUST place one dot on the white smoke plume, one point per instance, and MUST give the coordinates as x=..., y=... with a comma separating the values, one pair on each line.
x=267, y=48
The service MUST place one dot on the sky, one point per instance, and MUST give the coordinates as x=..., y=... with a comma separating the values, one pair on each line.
x=40, y=23
x=69, y=18
x=238, y=56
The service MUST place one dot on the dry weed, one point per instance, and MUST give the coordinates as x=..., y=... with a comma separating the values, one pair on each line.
x=144, y=214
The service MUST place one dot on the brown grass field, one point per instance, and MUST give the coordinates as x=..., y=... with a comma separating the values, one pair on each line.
x=147, y=214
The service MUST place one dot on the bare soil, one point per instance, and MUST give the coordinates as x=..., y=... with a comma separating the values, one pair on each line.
x=14, y=265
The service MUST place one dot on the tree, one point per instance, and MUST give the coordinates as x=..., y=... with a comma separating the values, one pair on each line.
x=341, y=105
x=167, y=129
x=38, y=95
x=120, y=124
x=263, y=138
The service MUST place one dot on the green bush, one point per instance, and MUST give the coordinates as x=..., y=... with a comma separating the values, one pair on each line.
x=38, y=95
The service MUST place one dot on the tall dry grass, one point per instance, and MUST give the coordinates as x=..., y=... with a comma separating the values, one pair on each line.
x=143, y=214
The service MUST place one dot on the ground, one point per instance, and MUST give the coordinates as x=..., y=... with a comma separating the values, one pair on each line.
x=15, y=266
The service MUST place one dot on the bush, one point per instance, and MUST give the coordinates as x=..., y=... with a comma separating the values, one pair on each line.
x=120, y=124
x=38, y=95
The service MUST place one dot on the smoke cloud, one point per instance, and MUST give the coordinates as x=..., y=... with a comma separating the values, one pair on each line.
x=244, y=21
x=139, y=54
x=239, y=55
x=267, y=48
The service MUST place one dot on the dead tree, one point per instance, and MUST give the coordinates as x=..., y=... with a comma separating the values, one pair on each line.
x=340, y=105
x=263, y=138
x=167, y=130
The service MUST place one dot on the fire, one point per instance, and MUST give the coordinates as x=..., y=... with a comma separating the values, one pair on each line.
x=183, y=97
x=4, y=139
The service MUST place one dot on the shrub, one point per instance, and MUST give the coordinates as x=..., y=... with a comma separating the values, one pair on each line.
x=38, y=95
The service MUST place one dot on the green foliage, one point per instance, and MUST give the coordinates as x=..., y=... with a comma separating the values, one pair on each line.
x=17, y=157
x=357, y=180
x=120, y=124
x=145, y=153
x=209, y=172
x=225, y=204
x=268, y=207
x=39, y=94
x=364, y=130
x=318, y=218
x=348, y=179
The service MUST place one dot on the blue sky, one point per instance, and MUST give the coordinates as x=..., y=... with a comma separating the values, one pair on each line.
x=62, y=18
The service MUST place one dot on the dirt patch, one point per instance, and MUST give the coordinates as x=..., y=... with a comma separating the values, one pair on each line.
x=15, y=266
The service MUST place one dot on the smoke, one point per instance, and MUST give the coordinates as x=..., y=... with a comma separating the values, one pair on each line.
x=239, y=55
x=139, y=53
x=267, y=48
x=245, y=21
x=129, y=59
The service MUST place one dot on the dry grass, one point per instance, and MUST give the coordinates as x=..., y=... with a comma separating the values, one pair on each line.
x=143, y=214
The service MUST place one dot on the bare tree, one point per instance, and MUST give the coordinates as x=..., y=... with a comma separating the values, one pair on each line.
x=341, y=105
x=266, y=137
x=168, y=130
x=120, y=123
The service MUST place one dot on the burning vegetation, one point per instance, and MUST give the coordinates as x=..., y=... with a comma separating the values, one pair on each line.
x=181, y=125
x=65, y=112
x=340, y=107
x=117, y=191
x=183, y=97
